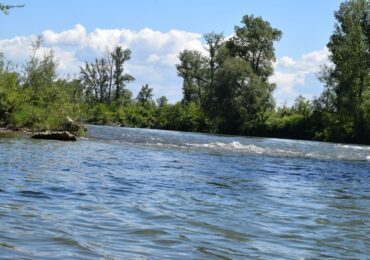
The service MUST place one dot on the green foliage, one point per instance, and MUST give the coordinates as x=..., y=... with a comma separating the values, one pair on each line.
x=295, y=122
x=253, y=42
x=242, y=97
x=141, y=116
x=183, y=117
x=193, y=69
x=101, y=114
x=145, y=96
x=37, y=100
x=226, y=91
x=104, y=79
x=348, y=79
x=10, y=97
x=162, y=101
x=119, y=57
x=231, y=85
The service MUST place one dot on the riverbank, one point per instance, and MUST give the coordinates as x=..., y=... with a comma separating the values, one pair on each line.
x=289, y=123
x=61, y=135
x=6, y=131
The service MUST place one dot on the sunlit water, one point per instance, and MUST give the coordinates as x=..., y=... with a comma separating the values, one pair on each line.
x=144, y=194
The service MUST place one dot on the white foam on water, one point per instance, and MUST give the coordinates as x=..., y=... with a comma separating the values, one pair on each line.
x=246, y=148
x=233, y=146
x=168, y=145
x=274, y=151
x=345, y=152
x=355, y=147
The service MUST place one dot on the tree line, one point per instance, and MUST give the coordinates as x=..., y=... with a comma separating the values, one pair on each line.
x=231, y=84
x=226, y=91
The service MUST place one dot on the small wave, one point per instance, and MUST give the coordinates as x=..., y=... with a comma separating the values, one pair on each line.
x=248, y=148
x=237, y=147
x=168, y=145
x=233, y=146
x=355, y=147
x=155, y=139
x=269, y=147
x=274, y=151
x=148, y=232
x=33, y=194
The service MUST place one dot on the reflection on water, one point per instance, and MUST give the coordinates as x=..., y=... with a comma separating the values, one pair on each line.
x=143, y=194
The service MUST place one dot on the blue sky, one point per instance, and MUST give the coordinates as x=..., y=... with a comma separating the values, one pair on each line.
x=306, y=25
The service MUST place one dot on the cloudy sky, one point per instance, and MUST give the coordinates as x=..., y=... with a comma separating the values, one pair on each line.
x=157, y=30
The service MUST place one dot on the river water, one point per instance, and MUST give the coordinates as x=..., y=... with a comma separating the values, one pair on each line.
x=125, y=193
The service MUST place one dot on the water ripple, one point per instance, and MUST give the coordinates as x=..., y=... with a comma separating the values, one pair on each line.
x=142, y=194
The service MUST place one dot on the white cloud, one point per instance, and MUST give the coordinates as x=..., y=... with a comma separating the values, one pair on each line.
x=67, y=62
x=17, y=48
x=75, y=36
x=291, y=76
x=154, y=55
x=286, y=61
x=153, y=58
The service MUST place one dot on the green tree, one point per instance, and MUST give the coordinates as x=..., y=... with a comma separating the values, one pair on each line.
x=95, y=77
x=162, y=101
x=9, y=92
x=243, y=95
x=348, y=79
x=302, y=106
x=216, y=56
x=120, y=56
x=105, y=79
x=40, y=73
x=193, y=68
x=214, y=42
x=231, y=85
x=145, y=95
x=37, y=99
x=254, y=42
x=242, y=98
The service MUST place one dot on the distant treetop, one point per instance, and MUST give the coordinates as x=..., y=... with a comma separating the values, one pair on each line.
x=5, y=7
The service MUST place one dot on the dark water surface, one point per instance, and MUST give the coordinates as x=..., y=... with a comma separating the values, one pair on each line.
x=144, y=194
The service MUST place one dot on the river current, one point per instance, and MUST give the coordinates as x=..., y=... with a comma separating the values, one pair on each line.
x=122, y=193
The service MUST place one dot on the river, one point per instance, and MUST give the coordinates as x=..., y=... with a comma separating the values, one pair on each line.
x=122, y=193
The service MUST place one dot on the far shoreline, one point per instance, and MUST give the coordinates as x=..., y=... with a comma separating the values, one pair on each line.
x=228, y=135
x=30, y=133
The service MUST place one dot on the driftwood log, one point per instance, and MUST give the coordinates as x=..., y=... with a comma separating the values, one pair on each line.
x=55, y=135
